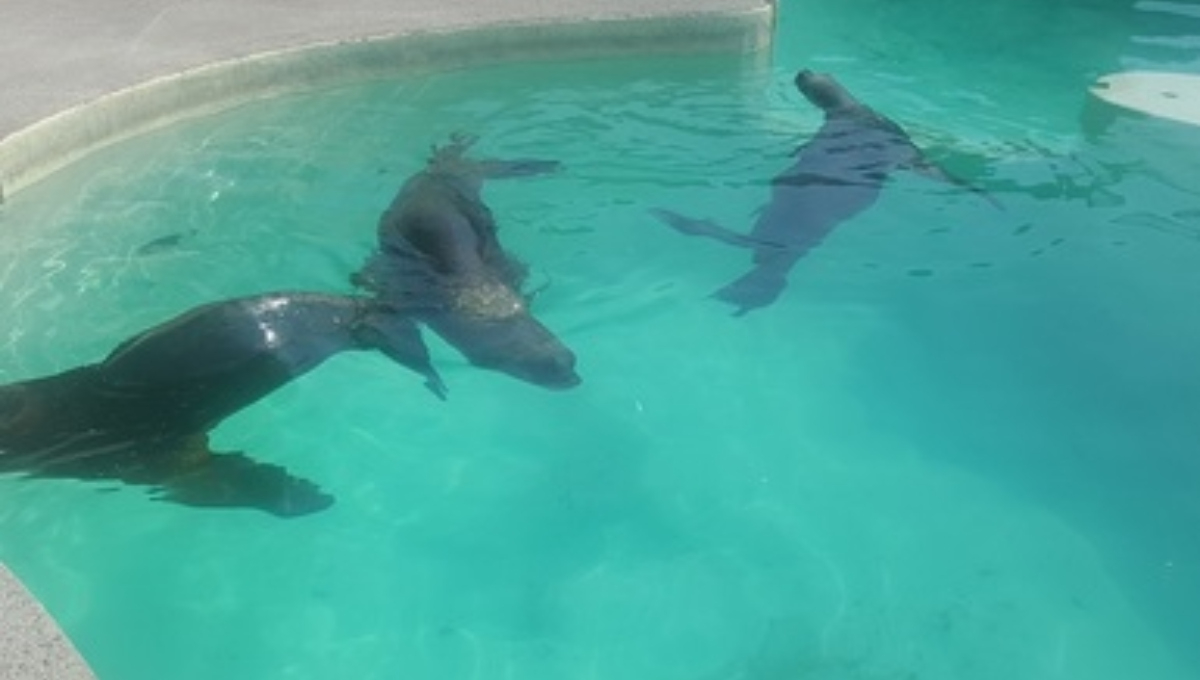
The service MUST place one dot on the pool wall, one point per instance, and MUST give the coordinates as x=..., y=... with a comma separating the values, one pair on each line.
x=30, y=154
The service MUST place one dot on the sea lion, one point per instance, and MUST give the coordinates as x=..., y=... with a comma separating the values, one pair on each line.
x=836, y=175
x=141, y=415
x=440, y=260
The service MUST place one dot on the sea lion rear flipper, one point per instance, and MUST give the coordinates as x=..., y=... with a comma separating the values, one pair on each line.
x=231, y=480
x=758, y=287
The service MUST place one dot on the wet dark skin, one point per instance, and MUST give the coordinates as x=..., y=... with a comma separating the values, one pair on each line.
x=836, y=175
x=440, y=259
x=141, y=416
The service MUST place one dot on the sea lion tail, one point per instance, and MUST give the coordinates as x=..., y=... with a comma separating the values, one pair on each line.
x=451, y=154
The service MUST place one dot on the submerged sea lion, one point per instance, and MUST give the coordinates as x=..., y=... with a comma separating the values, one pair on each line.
x=836, y=175
x=440, y=260
x=141, y=415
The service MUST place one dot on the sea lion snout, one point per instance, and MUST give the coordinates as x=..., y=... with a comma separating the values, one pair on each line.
x=547, y=363
x=558, y=371
x=517, y=345
x=805, y=78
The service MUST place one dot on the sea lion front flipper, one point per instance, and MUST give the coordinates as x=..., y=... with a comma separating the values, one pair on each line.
x=492, y=168
x=930, y=170
x=232, y=480
x=694, y=227
x=399, y=338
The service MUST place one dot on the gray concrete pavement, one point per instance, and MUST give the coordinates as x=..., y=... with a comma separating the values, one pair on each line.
x=58, y=57
x=60, y=53
x=31, y=646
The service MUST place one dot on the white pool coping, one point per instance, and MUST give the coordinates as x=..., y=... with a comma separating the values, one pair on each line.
x=608, y=28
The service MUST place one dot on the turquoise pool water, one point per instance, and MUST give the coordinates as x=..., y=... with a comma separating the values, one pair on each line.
x=963, y=444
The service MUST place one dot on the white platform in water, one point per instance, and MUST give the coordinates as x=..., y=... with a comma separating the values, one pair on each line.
x=1175, y=96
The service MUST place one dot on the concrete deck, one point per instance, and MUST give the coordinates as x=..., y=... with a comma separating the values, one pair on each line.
x=78, y=74
x=57, y=57
x=31, y=646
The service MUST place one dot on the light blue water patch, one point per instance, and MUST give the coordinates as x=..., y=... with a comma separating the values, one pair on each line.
x=960, y=445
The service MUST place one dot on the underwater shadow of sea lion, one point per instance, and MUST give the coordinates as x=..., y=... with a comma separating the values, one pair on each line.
x=836, y=175
x=141, y=416
x=440, y=259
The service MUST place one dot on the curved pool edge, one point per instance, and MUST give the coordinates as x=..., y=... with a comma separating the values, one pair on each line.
x=34, y=152
x=32, y=646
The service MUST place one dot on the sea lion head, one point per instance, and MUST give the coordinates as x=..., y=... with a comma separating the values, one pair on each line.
x=516, y=344
x=823, y=91
x=526, y=350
